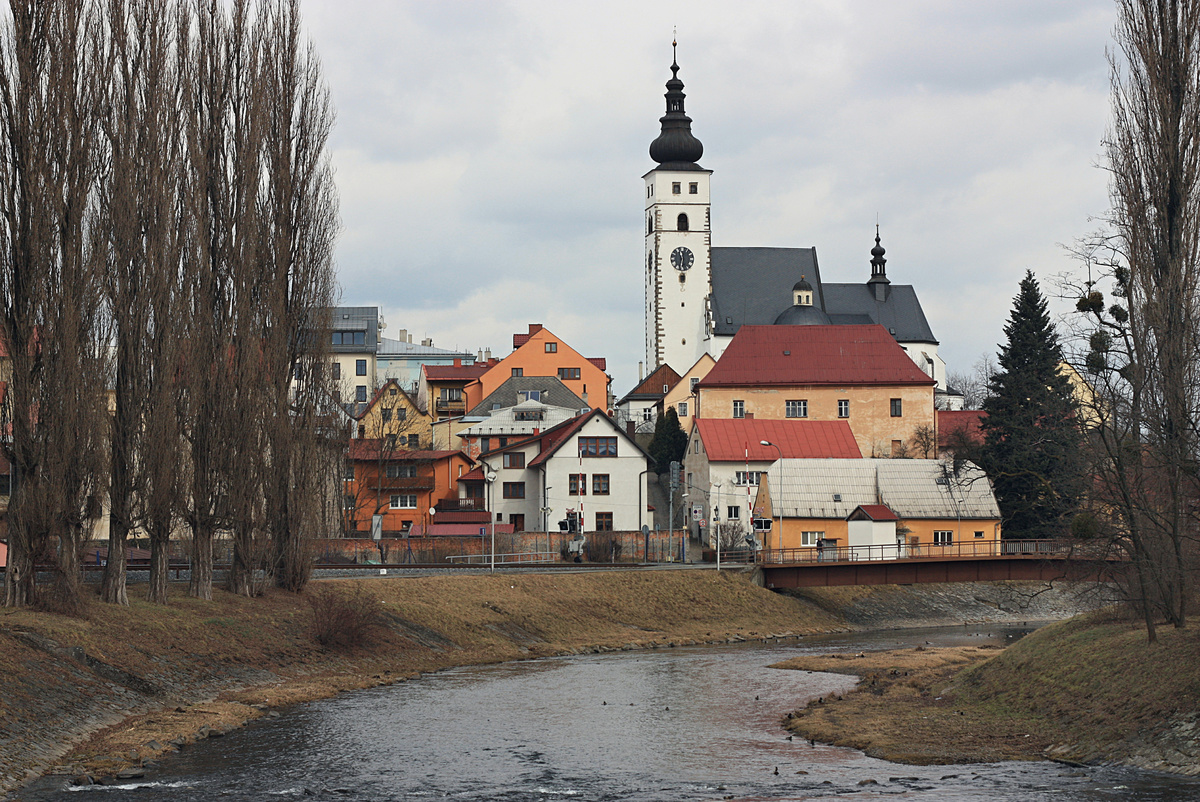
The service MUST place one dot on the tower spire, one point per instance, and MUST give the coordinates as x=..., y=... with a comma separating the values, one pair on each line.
x=676, y=148
x=878, y=273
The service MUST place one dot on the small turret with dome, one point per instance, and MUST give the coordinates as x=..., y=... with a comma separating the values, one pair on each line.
x=802, y=312
x=676, y=148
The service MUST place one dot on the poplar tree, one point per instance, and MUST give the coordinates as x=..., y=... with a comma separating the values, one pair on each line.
x=1032, y=439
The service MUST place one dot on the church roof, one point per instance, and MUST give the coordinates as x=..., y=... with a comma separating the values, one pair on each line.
x=900, y=312
x=750, y=288
x=750, y=285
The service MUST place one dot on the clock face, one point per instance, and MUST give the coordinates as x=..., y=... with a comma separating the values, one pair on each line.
x=682, y=259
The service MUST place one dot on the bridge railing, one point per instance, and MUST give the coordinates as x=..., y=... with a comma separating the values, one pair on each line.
x=924, y=551
x=505, y=558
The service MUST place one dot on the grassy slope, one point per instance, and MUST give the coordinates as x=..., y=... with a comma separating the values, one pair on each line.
x=1079, y=688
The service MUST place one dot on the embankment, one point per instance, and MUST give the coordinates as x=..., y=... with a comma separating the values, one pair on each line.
x=122, y=685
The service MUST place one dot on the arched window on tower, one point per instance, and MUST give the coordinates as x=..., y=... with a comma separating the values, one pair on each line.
x=649, y=225
x=682, y=223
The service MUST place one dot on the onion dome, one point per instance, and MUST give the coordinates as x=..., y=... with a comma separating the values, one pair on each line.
x=676, y=148
x=802, y=285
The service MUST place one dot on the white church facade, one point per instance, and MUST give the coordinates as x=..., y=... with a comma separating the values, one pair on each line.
x=698, y=296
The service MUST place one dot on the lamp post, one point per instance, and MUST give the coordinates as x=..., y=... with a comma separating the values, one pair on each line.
x=716, y=522
x=489, y=476
x=774, y=502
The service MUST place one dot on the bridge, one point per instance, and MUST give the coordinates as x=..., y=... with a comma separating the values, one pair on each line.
x=969, y=561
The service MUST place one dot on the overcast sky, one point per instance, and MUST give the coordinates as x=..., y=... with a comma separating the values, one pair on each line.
x=489, y=155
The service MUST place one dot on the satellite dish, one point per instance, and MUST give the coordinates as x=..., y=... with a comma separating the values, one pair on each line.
x=489, y=475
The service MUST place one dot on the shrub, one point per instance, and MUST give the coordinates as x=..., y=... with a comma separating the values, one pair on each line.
x=345, y=619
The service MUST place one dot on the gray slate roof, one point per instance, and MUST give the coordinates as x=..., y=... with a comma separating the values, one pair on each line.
x=908, y=486
x=554, y=393
x=390, y=348
x=752, y=286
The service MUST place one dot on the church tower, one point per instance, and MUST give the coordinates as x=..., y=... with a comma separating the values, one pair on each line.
x=678, y=240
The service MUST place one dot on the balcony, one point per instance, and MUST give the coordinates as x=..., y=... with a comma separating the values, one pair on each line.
x=447, y=405
x=460, y=505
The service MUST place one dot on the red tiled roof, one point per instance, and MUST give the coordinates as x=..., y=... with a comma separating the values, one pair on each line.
x=801, y=355
x=877, y=512
x=598, y=361
x=966, y=420
x=464, y=516
x=552, y=438
x=367, y=448
x=473, y=475
x=728, y=440
x=455, y=372
x=653, y=384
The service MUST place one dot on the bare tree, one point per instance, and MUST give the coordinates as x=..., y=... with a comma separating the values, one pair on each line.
x=1143, y=351
x=973, y=384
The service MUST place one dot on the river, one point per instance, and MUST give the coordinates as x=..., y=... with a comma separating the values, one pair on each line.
x=699, y=723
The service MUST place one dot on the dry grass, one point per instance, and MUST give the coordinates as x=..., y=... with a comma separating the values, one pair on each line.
x=1090, y=682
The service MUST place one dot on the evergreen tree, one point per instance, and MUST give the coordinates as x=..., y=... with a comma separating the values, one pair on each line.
x=1032, y=442
x=669, y=442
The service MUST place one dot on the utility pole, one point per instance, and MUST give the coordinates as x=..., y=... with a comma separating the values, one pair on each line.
x=674, y=480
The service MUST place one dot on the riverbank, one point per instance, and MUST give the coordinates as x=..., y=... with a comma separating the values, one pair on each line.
x=123, y=685
x=1089, y=690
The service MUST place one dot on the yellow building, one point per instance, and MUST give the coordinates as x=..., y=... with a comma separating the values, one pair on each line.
x=393, y=417
x=858, y=374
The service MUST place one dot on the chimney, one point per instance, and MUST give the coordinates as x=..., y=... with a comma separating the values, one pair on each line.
x=479, y=355
x=427, y=342
x=585, y=398
x=749, y=416
x=640, y=377
x=487, y=354
x=410, y=339
x=402, y=335
x=458, y=362
x=534, y=328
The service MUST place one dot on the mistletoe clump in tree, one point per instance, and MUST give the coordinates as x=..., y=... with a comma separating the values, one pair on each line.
x=1032, y=440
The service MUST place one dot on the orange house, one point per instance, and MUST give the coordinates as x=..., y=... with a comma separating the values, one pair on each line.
x=542, y=353
x=400, y=487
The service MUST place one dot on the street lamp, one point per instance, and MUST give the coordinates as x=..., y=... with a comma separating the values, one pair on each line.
x=716, y=522
x=489, y=476
x=774, y=501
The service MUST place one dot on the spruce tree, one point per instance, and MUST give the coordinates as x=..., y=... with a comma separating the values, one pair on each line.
x=1032, y=442
x=669, y=442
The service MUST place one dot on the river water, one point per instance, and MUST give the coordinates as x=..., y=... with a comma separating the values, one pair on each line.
x=672, y=724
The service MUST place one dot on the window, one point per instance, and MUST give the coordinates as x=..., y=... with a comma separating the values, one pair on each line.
x=683, y=409
x=568, y=373
x=692, y=382
x=348, y=502
x=485, y=444
x=503, y=442
x=451, y=394
x=526, y=395
x=843, y=407
x=360, y=367
x=518, y=372
x=514, y=490
x=404, y=501
x=349, y=338
x=577, y=484
x=681, y=223
x=796, y=409
x=739, y=409
x=978, y=533
x=604, y=522
x=385, y=415
x=675, y=188
x=897, y=408
x=518, y=521
x=693, y=188
x=696, y=448
x=516, y=459
x=348, y=475
x=401, y=471
x=391, y=391
x=810, y=538
x=943, y=537
x=414, y=441
x=551, y=348
x=597, y=446
x=401, y=414
x=647, y=415
x=649, y=225
x=336, y=367
x=649, y=190
x=389, y=442
x=599, y=484
x=360, y=393
x=744, y=478
x=733, y=513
